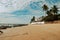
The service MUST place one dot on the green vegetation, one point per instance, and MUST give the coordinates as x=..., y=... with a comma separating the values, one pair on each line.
x=33, y=19
x=52, y=14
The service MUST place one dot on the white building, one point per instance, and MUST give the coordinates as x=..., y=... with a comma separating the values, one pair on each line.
x=38, y=21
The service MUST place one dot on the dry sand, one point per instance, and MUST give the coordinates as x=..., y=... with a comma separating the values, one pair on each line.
x=32, y=32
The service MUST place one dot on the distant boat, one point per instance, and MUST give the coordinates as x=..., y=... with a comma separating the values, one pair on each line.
x=38, y=21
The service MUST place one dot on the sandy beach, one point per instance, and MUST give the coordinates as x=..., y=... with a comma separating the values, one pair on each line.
x=32, y=32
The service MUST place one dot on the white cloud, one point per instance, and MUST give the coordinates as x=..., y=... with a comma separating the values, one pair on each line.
x=11, y=5
x=6, y=15
x=9, y=20
x=23, y=19
x=7, y=6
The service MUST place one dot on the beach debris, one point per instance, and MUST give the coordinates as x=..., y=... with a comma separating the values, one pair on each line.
x=1, y=32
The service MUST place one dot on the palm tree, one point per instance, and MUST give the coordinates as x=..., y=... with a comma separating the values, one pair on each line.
x=33, y=19
x=49, y=13
x=55, y=10
x=45, y=8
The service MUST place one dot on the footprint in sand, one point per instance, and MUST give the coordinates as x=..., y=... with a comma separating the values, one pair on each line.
x=25, y=33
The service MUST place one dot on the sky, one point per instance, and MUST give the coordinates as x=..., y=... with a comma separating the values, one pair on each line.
x=21, y=11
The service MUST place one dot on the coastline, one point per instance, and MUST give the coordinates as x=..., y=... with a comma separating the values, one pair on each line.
x=32, y=32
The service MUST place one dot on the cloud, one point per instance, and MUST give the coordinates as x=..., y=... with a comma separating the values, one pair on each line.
x=6, y=15
x=11, y=5
x=20, y=11
x=8, y=6
x=23, y=19
x=9, y=20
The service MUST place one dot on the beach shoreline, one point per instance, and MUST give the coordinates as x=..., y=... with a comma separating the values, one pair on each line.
x=32, y=32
